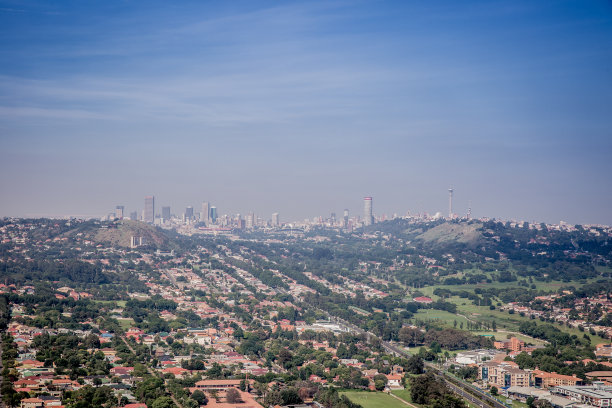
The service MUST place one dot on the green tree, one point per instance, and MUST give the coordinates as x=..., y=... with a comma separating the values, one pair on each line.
x=290, y=396
x=380, y=382
x=415, y=365
x=200, y=397
x=163, y=402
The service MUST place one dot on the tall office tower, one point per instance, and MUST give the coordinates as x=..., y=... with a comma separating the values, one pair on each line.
x=189, y=213
x=149, y=210
x=213, y=214
x=166, y=213
x=134, y=216
x=450, y=203
x=332, y=218
x=368, y=219
x=275, y=220
x=250, y=221
x=205, y=215
x=345, y=217
x=119, y=211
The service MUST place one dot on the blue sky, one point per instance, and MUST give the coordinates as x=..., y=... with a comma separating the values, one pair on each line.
x=305, y=107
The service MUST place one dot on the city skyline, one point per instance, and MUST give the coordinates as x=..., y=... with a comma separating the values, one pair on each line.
x=303, y=108
x=366, y=217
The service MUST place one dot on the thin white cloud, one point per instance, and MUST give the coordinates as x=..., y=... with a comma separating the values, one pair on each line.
x=48, y=113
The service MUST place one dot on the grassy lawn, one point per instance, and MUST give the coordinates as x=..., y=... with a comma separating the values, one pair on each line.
x=403, y=394
x=373, y=399
x=552, y=286
x=126, y=323
x=515, y=404
x=119, y=303
x=443, y=316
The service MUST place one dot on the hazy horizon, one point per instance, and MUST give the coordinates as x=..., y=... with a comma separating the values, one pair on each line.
x=304, y=108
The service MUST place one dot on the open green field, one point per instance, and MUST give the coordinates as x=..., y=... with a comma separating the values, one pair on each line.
x=442, y=316
x=405, y=395
x=510, y=322
x=119, y=303
x=126, y=323
x=551, y=286
x=373, y=399
x=505, y=322
x=546, y=286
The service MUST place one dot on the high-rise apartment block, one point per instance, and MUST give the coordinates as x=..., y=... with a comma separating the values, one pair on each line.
x=149, y=210
x=275, y=220
x=119, y=212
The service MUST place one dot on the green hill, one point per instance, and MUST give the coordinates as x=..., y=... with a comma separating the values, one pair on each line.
x=120, y=233
x=465, y=233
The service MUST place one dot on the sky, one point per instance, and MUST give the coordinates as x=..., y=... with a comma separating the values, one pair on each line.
x=305, y=107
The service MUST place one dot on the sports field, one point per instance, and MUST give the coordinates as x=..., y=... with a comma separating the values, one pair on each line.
x=373, y=399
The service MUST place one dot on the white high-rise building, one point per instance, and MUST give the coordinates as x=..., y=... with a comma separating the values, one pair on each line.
x=205, y=214
x=275, y=220
x=368, y=218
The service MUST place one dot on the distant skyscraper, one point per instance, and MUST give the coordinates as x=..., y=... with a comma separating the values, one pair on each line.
x=119, y=212
x=250, y=220
x=166, y=213
x=239, y=222
x=205, y=215
x=275, y=220
x=189, y=213
x=368, y=218
x=134, y=216
x=149, y=210
x=345, y=217
x=213, y=214
x=450, y=203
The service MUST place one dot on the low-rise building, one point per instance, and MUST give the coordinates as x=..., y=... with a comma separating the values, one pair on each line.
x=504, y=374
x=513, y=344
x=545, y=379
x=598, y=394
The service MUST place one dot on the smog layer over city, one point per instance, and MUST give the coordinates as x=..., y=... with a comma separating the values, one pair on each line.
x=326, y=204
